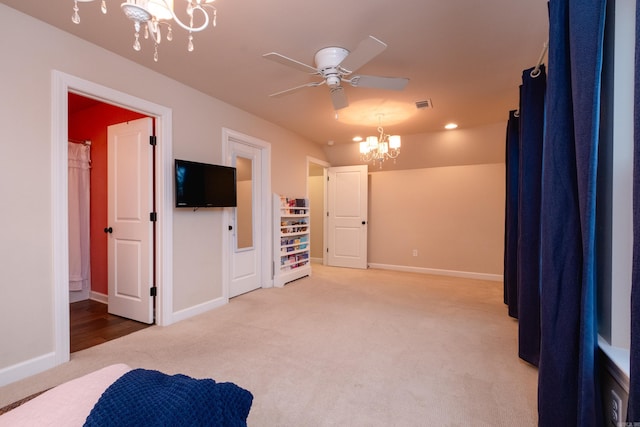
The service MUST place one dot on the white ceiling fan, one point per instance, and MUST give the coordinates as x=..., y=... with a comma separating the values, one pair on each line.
x=337, y=65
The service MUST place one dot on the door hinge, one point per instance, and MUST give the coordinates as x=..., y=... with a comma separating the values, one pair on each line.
x=153, y=291
x=153, y=216
x=153, y=140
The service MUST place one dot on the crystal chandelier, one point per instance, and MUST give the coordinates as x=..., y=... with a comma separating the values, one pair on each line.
x=379, y=148
x=150, y=15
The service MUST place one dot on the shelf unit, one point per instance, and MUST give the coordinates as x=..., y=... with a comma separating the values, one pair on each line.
x=291, y=239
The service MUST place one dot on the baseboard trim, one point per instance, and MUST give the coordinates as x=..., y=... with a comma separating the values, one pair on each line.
x=439, y=272
x=97, y=296
x=198, y=309
x=27, y=368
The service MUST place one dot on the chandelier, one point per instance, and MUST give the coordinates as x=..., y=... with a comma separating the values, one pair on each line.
x=150, y=15
x=380, y=148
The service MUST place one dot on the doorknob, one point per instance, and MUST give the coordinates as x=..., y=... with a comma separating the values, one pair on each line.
x=364, y=222
x=108, y=230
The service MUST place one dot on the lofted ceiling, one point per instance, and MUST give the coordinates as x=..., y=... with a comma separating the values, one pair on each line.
x=464, y=56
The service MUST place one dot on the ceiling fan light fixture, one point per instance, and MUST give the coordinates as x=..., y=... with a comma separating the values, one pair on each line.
x=336, y=65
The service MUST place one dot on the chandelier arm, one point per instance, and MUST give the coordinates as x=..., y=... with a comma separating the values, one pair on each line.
x=197, y=7
x=154, y=29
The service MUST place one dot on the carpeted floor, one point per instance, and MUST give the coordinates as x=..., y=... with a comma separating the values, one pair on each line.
x=343, y=348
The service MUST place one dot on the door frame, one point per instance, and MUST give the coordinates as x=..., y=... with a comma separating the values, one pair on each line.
x=325, y=166
x=62, y=84
x=263, y=186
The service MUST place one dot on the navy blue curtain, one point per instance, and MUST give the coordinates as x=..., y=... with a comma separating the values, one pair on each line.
x=633, y=411
x=532, y=115
x=511, y=215
x=567, y=378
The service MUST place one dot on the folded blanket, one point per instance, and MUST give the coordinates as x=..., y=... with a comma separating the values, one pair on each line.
x=150, y=398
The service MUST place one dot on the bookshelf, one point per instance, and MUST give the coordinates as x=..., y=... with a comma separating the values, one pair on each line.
x=291, y=239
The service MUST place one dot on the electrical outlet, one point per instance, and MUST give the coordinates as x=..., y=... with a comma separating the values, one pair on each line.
x=616, y=409
x=415, y=252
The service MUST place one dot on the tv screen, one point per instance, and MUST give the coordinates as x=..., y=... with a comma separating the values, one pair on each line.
x=203, y=185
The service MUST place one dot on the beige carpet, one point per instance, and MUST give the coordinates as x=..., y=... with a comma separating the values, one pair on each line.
x=344, y=348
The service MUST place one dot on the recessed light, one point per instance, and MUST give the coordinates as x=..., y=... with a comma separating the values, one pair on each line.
x=357, y=138
x=450, y=126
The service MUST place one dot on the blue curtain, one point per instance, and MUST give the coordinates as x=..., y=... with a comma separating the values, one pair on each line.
x=511, y=214
x=567, y=377
x=532, y=115
x=633, y=411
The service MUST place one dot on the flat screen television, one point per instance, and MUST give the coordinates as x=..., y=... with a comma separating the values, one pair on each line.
x=203, y=185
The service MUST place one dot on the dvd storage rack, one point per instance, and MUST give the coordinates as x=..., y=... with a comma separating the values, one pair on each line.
x=291, y=239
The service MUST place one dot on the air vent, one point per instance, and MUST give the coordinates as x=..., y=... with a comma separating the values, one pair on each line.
x=421, y=105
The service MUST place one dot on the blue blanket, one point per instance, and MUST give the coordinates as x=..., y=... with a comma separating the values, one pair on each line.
x=150, y=398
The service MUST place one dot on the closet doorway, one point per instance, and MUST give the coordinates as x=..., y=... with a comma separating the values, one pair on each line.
x=317, y=195
x=90, y=323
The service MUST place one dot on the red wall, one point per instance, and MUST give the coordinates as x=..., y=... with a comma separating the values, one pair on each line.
x=91, y=123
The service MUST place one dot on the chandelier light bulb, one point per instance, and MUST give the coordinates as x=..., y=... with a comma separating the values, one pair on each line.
x=394, y=141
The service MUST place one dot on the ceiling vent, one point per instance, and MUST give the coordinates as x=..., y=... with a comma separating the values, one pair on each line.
x=421, y=105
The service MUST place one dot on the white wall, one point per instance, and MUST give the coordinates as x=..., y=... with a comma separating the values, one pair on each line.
x=452, y=216
x=443, y=196
x=30, y=51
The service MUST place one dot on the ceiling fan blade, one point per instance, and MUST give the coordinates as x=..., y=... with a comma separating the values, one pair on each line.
x=338, y=98
x=295, y=89
x=389, y=83
x=368, y=49
x=281, y=59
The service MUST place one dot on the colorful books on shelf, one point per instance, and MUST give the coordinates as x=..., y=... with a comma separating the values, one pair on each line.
x=292, y=226
x=288, y=206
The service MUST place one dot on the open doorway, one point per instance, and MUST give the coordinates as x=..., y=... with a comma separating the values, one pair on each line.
x=62, y=84
x=90, y=321
x=317, y=195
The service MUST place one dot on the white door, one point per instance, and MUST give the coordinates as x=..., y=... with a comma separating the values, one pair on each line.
x=347, y=204
x=247, y=233
x=130, y=229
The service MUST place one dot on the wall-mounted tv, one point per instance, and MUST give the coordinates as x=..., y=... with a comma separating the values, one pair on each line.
x=203, y=185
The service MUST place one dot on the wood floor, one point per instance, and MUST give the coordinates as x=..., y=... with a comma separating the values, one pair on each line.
x=91, y=325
